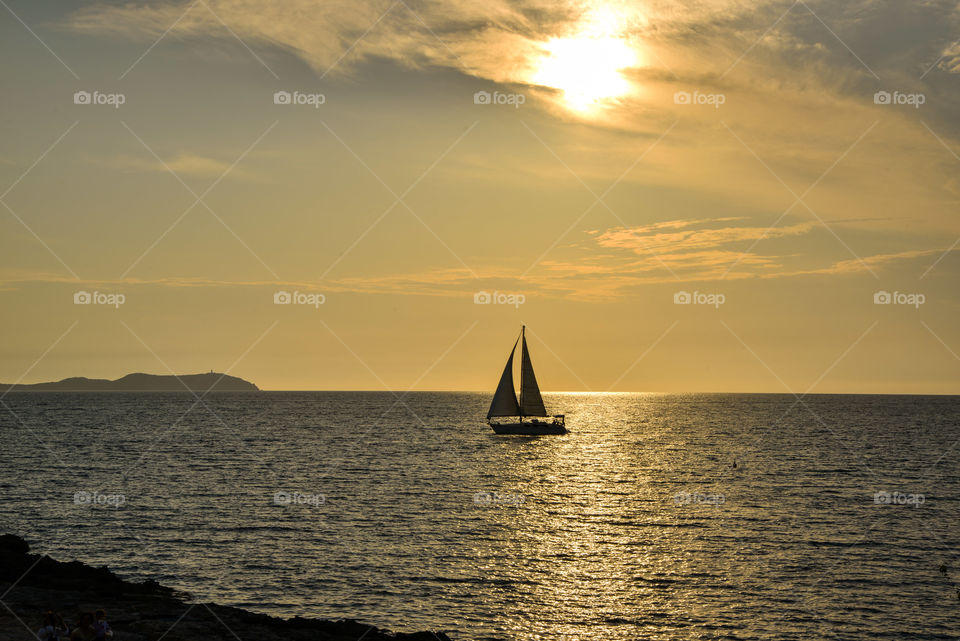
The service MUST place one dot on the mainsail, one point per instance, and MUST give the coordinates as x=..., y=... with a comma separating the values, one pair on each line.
x=531, y=403
x=505, y=399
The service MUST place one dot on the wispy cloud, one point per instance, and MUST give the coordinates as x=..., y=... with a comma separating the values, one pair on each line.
x=337, y=35
x=798, y=82
x=950, y=61
x=649, y=240
x=183, y=163
x=820, y=50
x=587, y=279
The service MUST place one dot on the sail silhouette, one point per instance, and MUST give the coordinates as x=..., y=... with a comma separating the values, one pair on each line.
x=505, y=399
x=531, y=403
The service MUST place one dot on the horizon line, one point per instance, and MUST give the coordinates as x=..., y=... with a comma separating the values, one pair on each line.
x=451, y=391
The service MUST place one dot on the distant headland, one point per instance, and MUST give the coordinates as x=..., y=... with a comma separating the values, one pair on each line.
x=197, y=383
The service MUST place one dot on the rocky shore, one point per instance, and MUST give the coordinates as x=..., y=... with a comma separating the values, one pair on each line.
x=32, y=584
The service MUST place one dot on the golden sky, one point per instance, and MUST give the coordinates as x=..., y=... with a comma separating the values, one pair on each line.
x=595, y=164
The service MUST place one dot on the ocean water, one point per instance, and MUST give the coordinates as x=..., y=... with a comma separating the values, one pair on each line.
x=658, y=517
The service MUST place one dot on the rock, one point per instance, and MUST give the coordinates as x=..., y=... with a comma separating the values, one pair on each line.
x=12, y=544
x=32, y=584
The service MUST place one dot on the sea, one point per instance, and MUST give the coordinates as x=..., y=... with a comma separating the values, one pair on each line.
x=658, y=516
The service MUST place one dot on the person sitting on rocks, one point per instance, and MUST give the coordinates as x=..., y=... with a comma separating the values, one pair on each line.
x=54, y=629
x=49, y=631
x=61, y=627
x=84, y=630
x=100, y=626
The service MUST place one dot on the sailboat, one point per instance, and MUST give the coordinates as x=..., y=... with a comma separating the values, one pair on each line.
x=528, y=416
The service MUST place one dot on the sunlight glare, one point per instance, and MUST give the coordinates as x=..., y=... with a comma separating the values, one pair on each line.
x=587, y=66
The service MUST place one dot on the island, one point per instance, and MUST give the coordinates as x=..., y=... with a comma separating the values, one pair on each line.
x=32, y=584
x=196, y=383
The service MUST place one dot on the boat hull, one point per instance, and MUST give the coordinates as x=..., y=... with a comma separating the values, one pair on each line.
x=529, y=428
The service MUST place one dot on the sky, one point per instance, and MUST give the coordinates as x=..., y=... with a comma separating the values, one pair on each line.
x=680, y=196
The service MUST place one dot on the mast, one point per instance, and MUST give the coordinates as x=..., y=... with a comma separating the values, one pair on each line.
x=523, y=357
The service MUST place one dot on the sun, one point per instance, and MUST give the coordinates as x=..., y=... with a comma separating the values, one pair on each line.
x=587, y=70
x=587, y=66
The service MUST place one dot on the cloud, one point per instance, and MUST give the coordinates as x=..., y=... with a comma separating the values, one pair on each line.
x=611, y=280
x=799, y=56
x=855, y=265
x=341, y=33
x=648, y=240
x=798, y=82
x=587, y=278
x=705, y=250
x=183, y=163
x=496, y=40
x=197, y=165
x=502, y=41
x=950, y=62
